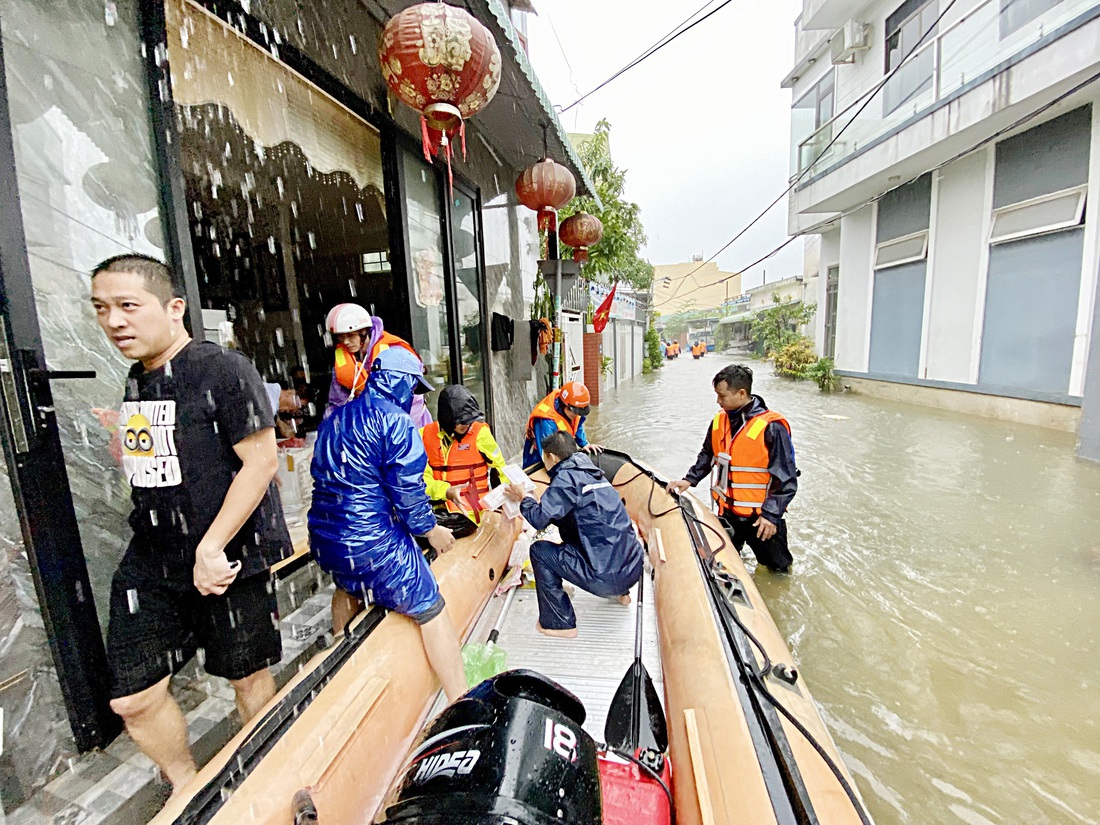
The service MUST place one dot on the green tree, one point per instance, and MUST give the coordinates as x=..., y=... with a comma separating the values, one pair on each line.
x=778, y=326
x=616, y=256
x=653, y=359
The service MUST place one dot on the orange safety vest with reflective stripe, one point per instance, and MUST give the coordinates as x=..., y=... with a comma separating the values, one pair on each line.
x=463, y=462
x=748, y=479
x=353, y=373
x=547, y=409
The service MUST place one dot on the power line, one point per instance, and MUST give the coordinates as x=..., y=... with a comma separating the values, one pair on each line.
x=969, y=150
x=797, y=179
x=660, y=44
x=561, y=48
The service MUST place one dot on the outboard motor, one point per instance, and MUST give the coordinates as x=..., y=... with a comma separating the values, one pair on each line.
x=510, y=751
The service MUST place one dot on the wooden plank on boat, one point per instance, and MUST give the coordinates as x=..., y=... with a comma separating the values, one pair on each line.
x=362, y=699
x=659, y=542
x=698, y=768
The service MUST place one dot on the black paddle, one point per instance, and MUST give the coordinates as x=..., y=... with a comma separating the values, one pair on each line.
x=636, y=700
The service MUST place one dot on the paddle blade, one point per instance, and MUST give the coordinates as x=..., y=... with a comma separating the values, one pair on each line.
x=635, y=718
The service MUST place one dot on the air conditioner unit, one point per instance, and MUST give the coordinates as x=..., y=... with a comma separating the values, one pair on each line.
x=853, y=37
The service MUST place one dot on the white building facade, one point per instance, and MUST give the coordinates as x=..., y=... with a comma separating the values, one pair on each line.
x=944, y=151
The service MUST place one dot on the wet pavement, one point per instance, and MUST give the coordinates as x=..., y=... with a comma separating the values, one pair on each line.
x=945, y=599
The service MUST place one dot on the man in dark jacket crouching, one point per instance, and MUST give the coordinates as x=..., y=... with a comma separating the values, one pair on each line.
x=599, y=551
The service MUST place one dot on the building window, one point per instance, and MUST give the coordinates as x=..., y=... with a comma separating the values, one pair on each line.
x=832, y=292
x=812, y=111
x=1015, y=14
x=904, y=29
x=904, y=250
x=1039, y=216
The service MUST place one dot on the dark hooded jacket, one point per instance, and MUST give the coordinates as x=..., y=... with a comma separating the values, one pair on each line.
x=781, y=462
x=457, y=405
x=590, y=515
x=368, y=476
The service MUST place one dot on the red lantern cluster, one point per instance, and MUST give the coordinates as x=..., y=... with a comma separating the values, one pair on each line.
x=546, y=187
x=443, y=63
x=580, y=231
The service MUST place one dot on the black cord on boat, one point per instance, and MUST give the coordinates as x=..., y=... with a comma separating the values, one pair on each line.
x=656, y=777
x=756, y=676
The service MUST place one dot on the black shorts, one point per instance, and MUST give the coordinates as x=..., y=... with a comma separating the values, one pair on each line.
x=158, y=624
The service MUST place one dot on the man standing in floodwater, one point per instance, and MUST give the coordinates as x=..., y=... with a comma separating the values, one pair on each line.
x=754, y=474
x=198, y=448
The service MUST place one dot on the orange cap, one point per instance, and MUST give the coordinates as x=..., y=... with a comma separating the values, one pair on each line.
x=575, y=394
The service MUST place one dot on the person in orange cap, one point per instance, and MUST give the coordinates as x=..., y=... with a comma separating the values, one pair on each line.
x=564, y=410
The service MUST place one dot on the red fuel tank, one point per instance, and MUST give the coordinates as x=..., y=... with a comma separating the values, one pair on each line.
x=632, y=796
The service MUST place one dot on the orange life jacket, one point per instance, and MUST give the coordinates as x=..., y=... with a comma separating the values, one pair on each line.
x=742, y=486
x=353, y=373
x=547, y=408
x=463, y=462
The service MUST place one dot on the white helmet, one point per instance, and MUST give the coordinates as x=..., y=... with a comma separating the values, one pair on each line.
x=347, y=318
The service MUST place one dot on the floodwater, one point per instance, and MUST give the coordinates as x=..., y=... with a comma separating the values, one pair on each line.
x=944, y=604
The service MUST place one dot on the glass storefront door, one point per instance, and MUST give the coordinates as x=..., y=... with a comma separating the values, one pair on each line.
x=87, y=189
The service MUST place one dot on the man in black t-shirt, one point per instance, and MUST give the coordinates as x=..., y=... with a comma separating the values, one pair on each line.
x=198, y=448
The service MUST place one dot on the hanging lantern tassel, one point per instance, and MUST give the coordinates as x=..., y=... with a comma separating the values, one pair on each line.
x=580, y=254
x=548, y=220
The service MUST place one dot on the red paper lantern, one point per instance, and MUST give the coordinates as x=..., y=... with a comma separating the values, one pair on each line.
x=546, y=187
x=580, y=231
x=443, y=63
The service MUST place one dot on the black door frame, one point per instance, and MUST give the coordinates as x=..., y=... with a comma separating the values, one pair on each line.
x=40, y=483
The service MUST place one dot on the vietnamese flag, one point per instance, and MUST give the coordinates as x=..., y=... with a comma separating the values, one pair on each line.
x=603, y=314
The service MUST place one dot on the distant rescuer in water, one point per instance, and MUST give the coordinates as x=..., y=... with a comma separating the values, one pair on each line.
x=198, y=448
x=599, y=551
x=749, y=448
x=369, y=502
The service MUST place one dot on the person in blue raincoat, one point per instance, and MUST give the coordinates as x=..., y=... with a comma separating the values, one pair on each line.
x=599, y=551
x=369, y=503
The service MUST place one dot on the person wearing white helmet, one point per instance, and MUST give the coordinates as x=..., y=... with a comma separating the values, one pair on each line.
x=360, y=337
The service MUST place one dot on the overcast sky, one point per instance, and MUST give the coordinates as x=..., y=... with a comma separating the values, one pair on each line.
x=701, y=126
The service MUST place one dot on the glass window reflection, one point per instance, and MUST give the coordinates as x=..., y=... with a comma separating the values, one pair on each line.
x=427, y=282
x=464, y=240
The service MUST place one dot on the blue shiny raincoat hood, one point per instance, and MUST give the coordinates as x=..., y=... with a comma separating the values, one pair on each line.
x=396, y=387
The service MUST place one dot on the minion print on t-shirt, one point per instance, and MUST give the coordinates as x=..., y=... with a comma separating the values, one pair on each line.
x=149, y=456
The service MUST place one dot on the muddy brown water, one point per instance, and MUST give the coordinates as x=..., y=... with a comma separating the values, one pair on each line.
x=945, y=600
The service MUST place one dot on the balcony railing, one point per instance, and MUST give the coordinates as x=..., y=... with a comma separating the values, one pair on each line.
x=963, y=51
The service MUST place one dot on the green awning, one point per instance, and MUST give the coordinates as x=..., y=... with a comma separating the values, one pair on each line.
x=738, y=317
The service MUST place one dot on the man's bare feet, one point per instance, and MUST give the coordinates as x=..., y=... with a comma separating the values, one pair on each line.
x=624, y=599
x=565, y=633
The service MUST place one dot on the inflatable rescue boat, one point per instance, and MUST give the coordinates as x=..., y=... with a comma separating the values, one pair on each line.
x=735, y=738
